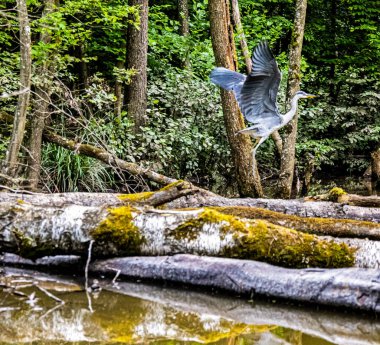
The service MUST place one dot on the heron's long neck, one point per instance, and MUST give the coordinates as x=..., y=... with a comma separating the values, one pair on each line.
x=290, y=114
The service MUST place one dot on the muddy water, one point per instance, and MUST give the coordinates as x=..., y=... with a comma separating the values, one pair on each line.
x=132, y=313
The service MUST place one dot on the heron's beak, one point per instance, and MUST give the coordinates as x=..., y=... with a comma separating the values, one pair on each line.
x=311, y=96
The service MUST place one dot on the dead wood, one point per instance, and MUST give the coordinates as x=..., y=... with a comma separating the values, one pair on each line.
x=36, y=231
x=340, y=287
x=340, y=196
x=319, y=226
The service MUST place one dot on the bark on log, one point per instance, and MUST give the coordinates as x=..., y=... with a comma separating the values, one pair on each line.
x=296, y=207
x=339, y=195
x=319, y=226
x=34, y=231
x=351, y=288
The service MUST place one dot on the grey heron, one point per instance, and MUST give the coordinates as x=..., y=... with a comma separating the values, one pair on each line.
x=256, y=94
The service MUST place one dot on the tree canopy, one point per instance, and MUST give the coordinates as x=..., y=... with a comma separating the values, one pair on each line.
x=184, y=136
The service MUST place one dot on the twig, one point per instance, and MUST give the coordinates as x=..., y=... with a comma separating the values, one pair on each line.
x=15, y=93
x=49, y=294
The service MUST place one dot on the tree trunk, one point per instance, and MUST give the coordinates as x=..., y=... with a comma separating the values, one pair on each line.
x=290, y=131
x=137, y=54
x=375, y=169
x=119, y=92
x=35, y=231
x=240, y=32
x=183, y=14
x=41, y=106
x=241, y=146
x=11, y=160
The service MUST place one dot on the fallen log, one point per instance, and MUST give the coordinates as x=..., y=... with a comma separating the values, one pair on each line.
x=319, y=226
x=339, y=195
x=196, y=197
x=35, y=231
x=298, y=207
x=352, y=288
x=99, y=154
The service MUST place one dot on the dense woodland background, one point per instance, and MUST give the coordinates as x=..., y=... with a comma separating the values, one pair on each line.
x=87, y=59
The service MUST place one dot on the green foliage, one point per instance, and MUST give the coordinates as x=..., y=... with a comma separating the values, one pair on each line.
x=184, y=136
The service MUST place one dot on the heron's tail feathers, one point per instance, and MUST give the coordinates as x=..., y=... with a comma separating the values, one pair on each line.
x=227, y=79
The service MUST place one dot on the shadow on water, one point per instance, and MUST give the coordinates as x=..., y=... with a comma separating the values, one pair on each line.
x=134, y=313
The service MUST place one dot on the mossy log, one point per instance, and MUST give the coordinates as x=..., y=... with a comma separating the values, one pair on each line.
x=353, y=288
x=339, y=195
x=319, y=226
x=35, y=231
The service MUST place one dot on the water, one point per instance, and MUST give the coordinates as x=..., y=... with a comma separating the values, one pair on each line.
x=134, y=313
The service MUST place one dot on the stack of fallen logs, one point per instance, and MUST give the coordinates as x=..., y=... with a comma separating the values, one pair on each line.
x=323, y=251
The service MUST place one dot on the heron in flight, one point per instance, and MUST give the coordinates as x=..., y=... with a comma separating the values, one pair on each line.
x=256, y=94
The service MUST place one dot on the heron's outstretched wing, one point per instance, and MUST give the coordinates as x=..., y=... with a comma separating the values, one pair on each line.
x=257, y=99
x=228, y=80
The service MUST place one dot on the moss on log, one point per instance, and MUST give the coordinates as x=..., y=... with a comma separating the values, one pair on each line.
x=319, y=226
x=213, y=233
x=35, y=231
x=337, y=194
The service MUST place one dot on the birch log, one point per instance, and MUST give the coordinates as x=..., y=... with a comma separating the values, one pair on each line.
x=35, y=231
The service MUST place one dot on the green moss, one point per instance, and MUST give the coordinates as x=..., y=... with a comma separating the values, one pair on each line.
x=135, y=197
x=264, y=241
x=335, y=193
x=191, y=228
x=30, y=249
x=118, y=229
x=281, y=246
x=144, y=196
x=323, y=226
x=175, y=184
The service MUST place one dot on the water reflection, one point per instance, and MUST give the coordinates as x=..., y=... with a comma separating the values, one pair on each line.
x=144, y=314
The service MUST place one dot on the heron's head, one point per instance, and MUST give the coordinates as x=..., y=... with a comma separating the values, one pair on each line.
x=302, y=94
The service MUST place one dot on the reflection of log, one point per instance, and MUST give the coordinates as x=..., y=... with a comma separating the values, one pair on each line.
x=335, y=327
x=35, y=231
x=351, y=288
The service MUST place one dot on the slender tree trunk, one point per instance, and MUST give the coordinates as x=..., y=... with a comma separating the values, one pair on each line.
x=41, y=112
x=290, y=135
x=19, y=123
x=137, y=53
x=183, y=14
x=119, y=91
x=240, y=32
x=82, y=68
x=375, y=169
x=241, y=145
